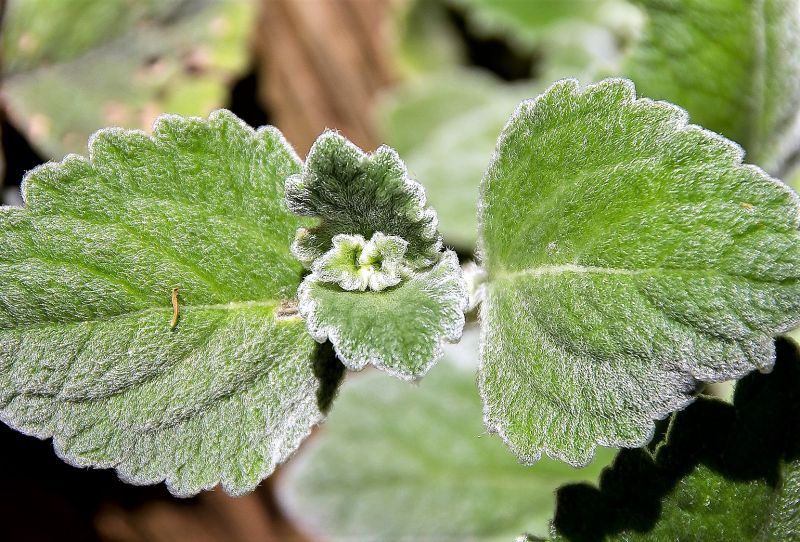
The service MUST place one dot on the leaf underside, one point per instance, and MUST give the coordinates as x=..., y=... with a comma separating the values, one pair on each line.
x=629, y=256
x=88, y=354
x=725, y=472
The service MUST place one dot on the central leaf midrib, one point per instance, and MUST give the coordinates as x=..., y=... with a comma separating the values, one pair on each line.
x=559, y=269
x=563, y=269
x=232, y=306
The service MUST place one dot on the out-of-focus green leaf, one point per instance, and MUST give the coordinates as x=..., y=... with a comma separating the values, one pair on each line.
x=2, y=176
x=586, y=52
x=397, y=463
x=629, y=256
x=71, y=68
x=528, y=23
x=39, y=32
x=90, y=352
x=445, y=127
x=427, y=40
x=793, y=179
x=733, y=64
x=725, y=472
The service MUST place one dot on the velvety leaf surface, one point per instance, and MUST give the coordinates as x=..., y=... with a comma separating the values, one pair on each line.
x=396, y=462
x=88, y=354
x=733, y=64
x=351, y=193
x=399, y=329
x=726, y=472
x=380, y=289
x=629, y=256
x=73, y=67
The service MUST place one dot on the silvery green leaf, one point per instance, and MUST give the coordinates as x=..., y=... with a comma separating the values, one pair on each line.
x=399, y=329
x=380, y=289
x=354, y=193
x=90, y=354
x=629, y=257
x=734, y=65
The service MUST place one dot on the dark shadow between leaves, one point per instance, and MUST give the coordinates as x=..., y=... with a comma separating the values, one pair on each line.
x=746, y=441
x=330, y=373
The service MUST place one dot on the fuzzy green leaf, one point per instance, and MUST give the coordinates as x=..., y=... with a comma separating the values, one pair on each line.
x=354, y=193
x=88, y=352
x=629, y=256
x=726, y=472
x=406, y=463
x=415, y=295
x=399, y=329
x=733, y=64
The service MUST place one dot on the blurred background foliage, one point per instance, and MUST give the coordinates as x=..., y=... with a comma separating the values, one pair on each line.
x=70, y=68
x=429, y=473
x=436, y=79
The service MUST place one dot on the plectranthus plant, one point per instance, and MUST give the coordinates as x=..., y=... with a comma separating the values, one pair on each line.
x=182, y=306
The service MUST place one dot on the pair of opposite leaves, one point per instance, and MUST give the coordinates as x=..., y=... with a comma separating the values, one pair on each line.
x=627, y=257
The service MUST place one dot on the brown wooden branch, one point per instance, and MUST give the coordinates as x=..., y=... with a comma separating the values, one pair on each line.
x=322, y=64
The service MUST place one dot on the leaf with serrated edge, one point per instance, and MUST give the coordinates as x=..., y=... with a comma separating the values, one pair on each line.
x=87, y=352
x=629, y=256
x=399, y=329
x=724, y=472
x=398, y=462
x=734, y=65
x=416, y=295
x=354, y=193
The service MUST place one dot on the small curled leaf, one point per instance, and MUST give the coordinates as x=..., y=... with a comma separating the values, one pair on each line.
x=352, y=192
x=390, y=300
x=355, y=264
